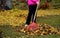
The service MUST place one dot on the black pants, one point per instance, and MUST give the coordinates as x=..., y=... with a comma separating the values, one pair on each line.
x=32, y=9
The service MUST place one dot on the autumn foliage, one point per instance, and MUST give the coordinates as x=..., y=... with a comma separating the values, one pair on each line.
x=44, y=29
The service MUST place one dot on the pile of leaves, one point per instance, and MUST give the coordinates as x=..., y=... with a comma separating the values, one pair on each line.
x=44, y=29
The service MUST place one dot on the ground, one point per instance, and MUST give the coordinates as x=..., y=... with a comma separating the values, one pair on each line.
x=11, y=19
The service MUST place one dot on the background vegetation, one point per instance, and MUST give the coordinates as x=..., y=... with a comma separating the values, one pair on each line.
x=23, y=5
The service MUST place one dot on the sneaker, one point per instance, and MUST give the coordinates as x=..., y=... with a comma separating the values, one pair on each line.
x=26, y=25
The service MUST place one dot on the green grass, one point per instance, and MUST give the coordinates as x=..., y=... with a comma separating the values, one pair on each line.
x=53, y=20
x=8, y=31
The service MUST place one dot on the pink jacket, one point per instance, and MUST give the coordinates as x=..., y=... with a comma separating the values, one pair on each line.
x=32, y=2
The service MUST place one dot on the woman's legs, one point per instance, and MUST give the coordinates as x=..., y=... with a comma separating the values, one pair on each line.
x=32, y=9
x=29, y=15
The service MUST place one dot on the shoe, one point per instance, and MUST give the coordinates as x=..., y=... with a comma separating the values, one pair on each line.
x=26, y=25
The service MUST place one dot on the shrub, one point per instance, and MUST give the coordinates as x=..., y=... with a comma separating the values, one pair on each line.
x=44, y=6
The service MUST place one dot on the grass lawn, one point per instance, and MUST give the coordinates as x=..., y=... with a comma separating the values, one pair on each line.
x=53, y=20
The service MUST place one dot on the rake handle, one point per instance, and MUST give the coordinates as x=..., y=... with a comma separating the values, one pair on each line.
x=35, y=13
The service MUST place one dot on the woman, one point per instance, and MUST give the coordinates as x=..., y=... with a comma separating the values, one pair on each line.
x=32, y=5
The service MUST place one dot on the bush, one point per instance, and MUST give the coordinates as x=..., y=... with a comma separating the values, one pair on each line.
x=44, y=6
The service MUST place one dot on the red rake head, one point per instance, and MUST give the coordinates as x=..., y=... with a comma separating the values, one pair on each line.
x=33, y=26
